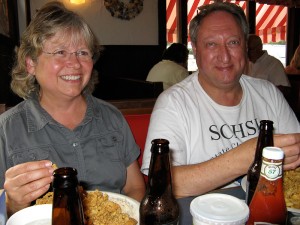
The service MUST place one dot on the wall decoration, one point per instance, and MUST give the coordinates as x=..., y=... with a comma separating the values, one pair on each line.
x=123, y=10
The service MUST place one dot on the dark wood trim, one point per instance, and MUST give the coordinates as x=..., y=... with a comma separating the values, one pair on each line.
x=293, y=33
x=251, y=16
x=182, y=21
x=12, y=7
x=134, y=106
x=27, y=12
x=162, y=24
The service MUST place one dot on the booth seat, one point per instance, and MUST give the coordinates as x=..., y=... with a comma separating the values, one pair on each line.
x=139, y=126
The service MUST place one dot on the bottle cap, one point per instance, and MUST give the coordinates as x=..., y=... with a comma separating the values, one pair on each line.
x=219, y=209
x=273, y=153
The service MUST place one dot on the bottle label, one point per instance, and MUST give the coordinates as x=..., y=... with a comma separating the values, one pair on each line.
x=271, y=171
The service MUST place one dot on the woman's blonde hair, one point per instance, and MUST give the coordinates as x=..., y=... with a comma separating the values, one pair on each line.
x=50, y=19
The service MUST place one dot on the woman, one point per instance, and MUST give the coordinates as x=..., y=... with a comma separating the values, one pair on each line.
x=60, y=121
x=294, y=67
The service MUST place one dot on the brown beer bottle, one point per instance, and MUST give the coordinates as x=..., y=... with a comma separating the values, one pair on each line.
x=67, y=206
x=265, y=139
x=268, y=205
x=159, y=206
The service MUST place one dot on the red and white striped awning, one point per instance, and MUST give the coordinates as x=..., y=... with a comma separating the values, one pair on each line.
x=270, y=19
x=271, y=22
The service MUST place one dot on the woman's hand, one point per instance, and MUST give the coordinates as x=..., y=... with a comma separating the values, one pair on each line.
x=26, y=182
x=290, y=143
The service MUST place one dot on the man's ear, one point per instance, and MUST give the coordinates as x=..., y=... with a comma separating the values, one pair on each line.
x=194, y=49
x=30, y=66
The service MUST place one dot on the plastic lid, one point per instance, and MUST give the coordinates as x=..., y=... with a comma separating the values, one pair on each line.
x=273, y=153
x=219, y=209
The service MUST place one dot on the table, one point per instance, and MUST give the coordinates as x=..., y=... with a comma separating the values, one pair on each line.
x=184, y=203
x=186, y=217
x=2, y=207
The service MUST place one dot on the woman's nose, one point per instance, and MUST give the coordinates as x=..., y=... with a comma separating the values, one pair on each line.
x=73, y=60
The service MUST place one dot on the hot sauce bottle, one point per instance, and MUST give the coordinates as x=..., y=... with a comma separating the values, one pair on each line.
x=159, y=206
x=268, y=205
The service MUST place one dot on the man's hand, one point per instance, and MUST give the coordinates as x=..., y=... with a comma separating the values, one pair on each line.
x=290, y=144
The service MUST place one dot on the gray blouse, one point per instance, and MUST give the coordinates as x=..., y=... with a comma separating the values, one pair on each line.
x=100, y=148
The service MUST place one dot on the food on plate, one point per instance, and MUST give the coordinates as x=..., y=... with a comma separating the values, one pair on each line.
x=54, y=166
x=98, y=209
x=291, y=181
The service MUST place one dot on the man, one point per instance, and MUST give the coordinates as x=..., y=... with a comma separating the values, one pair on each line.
x=212, y=117
x=264, y=66
x=173, y=67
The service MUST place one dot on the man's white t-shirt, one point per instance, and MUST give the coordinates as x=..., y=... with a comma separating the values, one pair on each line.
x=199, y=129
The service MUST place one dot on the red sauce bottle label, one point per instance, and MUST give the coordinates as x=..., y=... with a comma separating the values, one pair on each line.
x=271, y=171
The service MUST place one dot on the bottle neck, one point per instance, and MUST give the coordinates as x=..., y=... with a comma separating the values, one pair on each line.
x=65, y=177
x=265, y=139
x=159, y=173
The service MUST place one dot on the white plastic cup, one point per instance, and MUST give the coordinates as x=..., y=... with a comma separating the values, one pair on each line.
x=219, y=209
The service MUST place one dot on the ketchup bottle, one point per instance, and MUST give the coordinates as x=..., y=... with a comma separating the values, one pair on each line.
x=268, y=205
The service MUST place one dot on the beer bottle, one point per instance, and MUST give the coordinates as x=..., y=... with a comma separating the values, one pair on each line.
x=67, y=206
x=268, y=205
x=159, y=206
x=265, y=139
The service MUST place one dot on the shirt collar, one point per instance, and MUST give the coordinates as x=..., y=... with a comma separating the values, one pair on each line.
x=37, y=117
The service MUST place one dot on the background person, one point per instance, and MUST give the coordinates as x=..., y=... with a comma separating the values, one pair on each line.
x=60, y=121
x=294, y=67
x=212, y=117
x=264, y=66
x=173, y=67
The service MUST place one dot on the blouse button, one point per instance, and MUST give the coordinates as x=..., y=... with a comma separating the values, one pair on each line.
x=75, y=144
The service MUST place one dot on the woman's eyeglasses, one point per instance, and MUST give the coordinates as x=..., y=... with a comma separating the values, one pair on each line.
x=63, y=55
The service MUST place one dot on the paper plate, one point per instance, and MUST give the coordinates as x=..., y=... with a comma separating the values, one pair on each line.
x=33, y=215
x=244, y=183
x=41, y=214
